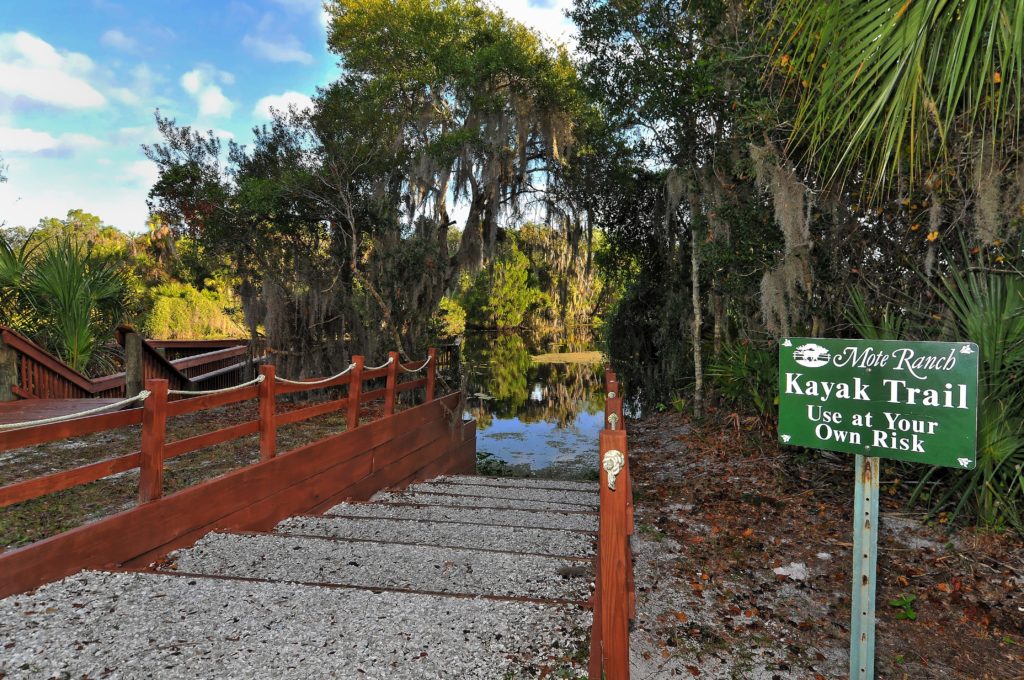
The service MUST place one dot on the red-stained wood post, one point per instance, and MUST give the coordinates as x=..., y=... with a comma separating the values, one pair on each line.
x=431, y=372
x=268, y=412
x=594, y=666
x=355, y=390
x=389, y=389
x=613, y=552
x=154, y=434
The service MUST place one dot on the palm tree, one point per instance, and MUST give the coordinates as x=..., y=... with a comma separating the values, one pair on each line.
x=892, y=88
x=63, y=297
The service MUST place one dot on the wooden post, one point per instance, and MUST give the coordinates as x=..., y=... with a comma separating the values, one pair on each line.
x=154, y=434
x=431, y=372
x=268, y=412
x=613, y=552
x=389, y=389
x=355, y=390
x=594, y=666
x=134, y=372
x=8, y=372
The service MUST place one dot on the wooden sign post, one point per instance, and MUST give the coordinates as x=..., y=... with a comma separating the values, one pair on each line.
x=911, y=401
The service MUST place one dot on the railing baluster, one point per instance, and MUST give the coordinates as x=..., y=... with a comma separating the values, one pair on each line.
x=154, y=435
x=268, y=412
x=355, y=389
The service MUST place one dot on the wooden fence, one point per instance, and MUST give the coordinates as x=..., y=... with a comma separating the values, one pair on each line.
x=418, y=443
x=615, y=592
x=27, y=371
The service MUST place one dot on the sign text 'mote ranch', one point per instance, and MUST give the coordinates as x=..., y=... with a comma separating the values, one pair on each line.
x=910, y=401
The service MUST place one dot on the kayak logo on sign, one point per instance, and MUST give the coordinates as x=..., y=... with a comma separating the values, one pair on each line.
x=811, y=355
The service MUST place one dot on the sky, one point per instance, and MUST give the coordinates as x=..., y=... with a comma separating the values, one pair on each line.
x=80, y=81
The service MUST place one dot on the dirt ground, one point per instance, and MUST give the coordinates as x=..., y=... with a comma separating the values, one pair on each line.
x=743, y=566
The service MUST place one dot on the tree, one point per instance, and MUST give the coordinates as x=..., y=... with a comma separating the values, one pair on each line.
x=903, y=91
x=337, y=220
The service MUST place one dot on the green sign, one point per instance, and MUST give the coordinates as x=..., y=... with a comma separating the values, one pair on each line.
x=913, y=401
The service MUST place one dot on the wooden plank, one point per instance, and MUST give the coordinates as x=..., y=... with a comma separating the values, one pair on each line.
x=154, y=434
x=411, y=385
x=209, y=357
x=192, y=404
x=149, y=528
x=389, y=389
x=40, y=434
x=58, y=481
x=268, y=412
x=202, y=441
x=313, y=411
x=612, y=542
x=37, y=354
x=367, y=397
x=355, y=389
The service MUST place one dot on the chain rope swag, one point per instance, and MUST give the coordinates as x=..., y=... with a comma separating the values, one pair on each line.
x=197, y=393
x=376, y=368
x=141, y=396
x=415, y=370
x=310, y=383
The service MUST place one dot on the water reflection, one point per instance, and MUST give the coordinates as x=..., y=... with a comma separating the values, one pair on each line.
x=539, y=417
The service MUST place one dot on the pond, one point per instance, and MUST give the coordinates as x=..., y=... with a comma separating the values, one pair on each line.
x=534, y=417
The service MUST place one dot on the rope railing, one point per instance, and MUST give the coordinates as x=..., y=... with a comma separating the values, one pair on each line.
x=141, y=396
x=198, y=393
x=415, y=370
x=312, y=383
x=377, y=368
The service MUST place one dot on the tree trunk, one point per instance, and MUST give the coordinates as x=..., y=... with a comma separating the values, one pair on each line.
x=698, y=367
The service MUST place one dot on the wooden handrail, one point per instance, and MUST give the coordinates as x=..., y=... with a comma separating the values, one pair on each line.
x=614, y=604
x=153, y=416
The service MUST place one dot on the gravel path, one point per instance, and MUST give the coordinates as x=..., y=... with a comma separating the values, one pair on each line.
x=431, y=498
x=128, y=626
x=521, y=493
x=450, y=535
x=515, y=482
x=430, y=513
x=369, y=565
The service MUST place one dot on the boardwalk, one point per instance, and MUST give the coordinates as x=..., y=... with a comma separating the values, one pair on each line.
x=460, y=577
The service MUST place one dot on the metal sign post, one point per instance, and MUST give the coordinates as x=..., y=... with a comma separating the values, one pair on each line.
x=865, y=557
x=912, y=401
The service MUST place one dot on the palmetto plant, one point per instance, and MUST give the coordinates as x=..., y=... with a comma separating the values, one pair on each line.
x=884, y=85
x=63, y=297
x=988, y=309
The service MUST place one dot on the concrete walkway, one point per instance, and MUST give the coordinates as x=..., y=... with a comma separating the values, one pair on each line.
x=460, y=577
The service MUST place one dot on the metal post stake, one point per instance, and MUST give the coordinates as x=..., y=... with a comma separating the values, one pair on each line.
x=865, y=558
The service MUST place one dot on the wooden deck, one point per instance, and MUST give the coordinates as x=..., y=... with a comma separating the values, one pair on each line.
x=39, y=409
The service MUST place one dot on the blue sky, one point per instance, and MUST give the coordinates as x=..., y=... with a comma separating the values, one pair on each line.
x=80, y=80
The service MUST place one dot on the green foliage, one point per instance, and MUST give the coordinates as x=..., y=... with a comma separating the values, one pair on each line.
x=988, y=309
x=177, y=310
x=746, y=374
x=887, y=85
x=905, y=603
x=450, y=319
x=65, y=297
x=500, y=296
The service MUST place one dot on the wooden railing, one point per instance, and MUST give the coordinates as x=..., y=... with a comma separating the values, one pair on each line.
x=615, y=595
x=155, y=450
x=34, y=373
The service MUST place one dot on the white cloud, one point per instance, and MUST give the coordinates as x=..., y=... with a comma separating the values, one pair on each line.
x=281, y=102
x=32, y=68
x=287, y=49
x=140, y=173
x=118, y=40
x=546, y=17
x=33, y=142
x=201, y=83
